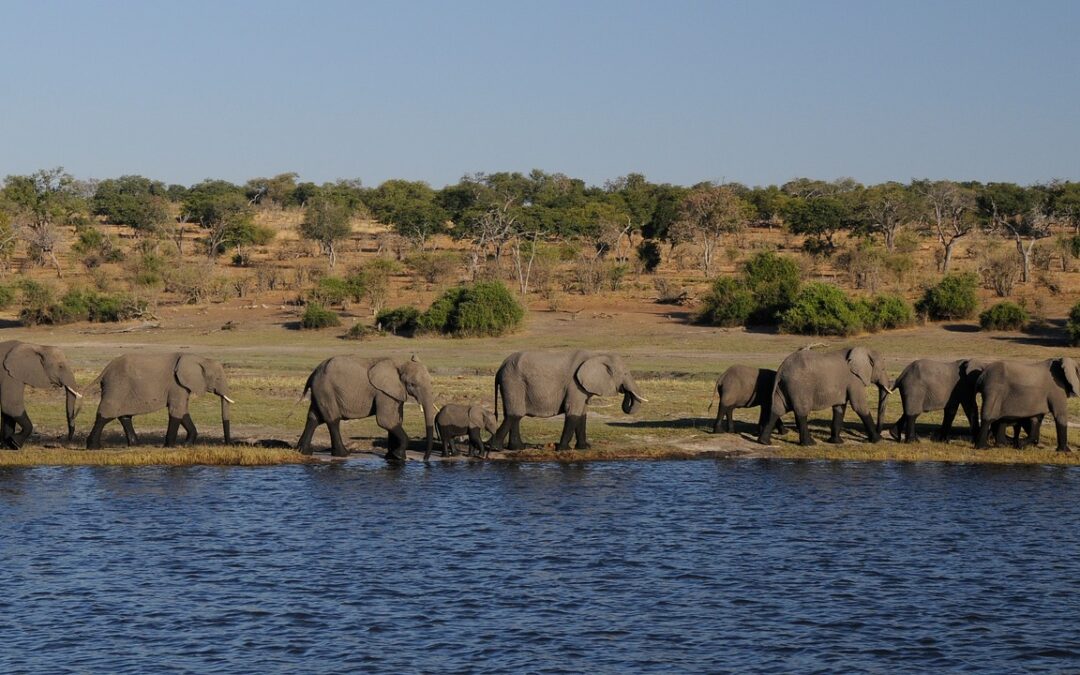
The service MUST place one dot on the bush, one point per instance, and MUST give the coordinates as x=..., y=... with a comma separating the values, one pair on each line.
x=335, y=291
x=1072, y=326
x=728, y=303
x=7, y=296
x=434, y=267
x=359, y=331
x=774, y=281
x=822, y=309
x=80, y=305
x=485, y=308
x=1004, y=316
x=316, y=316
x=399, y=321
x=648, y=252
x=953, y=297
x=886, y=312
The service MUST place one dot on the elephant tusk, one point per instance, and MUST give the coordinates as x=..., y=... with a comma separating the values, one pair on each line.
x=73, y=392
x=227, y=398
x=640, y=398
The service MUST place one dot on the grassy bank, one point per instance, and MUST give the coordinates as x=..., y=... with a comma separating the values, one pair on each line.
x=203, y=455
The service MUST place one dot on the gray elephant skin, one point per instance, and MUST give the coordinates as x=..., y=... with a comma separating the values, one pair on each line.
x=1012, y=391
x=351, y=387
x=455, y=420
x=136, y=384
x=809, y=380
x=744, y=387
x=546, y=383
x=39, y=367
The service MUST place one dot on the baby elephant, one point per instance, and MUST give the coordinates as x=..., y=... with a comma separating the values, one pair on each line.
x=744, y=387
x=456, y=420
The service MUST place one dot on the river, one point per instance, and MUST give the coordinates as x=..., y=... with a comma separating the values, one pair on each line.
x=699, y=566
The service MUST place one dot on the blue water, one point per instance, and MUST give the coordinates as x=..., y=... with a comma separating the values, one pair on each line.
x=608, y=567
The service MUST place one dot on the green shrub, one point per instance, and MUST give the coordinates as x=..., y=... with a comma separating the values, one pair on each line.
x=728, y=303
x=648, y=252
x=822, y=309
x=485, y=308
x=886, y=312
x=434, y=267
x=954, y=297
x=316, y=316
x=399, y=321
x=1004, y=316
x=1072, y=326
x=774, y=281
x=7, y=296
x=79, y=305
x=359, y=331
x=331, y=291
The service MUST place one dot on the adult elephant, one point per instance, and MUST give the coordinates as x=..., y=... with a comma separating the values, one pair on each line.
x=547, y=383
x=40, y=367
x=926, y=385
x=349, y=387
x=135, y=384
x=744, y=387
x=1014, y=391
x=809, y=380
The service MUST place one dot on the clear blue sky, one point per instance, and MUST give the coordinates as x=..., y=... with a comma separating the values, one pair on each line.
x=753, y=91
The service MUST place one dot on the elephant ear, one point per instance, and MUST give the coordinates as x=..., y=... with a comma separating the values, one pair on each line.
x=384, y=376
x=26, y=363
x=190, y=374
x=860, y=364
x=1072, y=375
x=476, y=417
x=595, y=376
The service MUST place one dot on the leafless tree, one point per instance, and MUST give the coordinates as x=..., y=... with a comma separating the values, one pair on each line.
x=706, y=215
x=951, y=213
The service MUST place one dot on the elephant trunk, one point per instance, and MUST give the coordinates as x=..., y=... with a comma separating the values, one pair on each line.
x=429, y=423
x=883, y=395
x=225, y=404
x=72, y=403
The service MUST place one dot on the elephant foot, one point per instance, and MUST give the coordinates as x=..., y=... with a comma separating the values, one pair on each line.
x=808, y=442
x=835, y=440
x=894, y=433
x=583, y=446
x=339, y=453
x=514, y=447
x=1064, y=448
x=562, y=448
x=717, y=429
x=876, y=438
x=305, y=451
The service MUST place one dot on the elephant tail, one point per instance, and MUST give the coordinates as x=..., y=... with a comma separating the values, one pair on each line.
x=497, y=388
x=307, y=390
x=715, y=392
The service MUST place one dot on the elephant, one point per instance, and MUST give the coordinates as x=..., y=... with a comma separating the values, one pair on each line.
x=135, y=384
x=926, y=385
x=546, y=383
x=808, y=380
x=350, y=387
x=37, y=366
x=455, y=420
x=744, y=387
x=1013, y=391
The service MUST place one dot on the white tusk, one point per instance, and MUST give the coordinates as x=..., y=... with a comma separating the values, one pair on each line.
x=73, y=392
x=227, y=398
x=641, y=398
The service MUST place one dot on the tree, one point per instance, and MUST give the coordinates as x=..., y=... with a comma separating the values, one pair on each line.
x=1064, y=203
x=706, y=215
x=1017, y=213
x=410, y=207
x=949, y=207
x=39, y=204
x=278, y=191
x=819, y=219
x=134, y=201
x=883, y=209
x=326, y=221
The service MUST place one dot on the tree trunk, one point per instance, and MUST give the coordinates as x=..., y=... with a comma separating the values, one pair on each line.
x=948, y=256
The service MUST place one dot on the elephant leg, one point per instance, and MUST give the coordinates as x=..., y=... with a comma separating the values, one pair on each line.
x=170, y=432
x=398, y=443
x=945, y=430
x=1036, y=430
x=837, y=424
x=190, y=432
x=720, y=425
x=910, y=435
x=581, y=442
x=7, y=431
x=1000, y=429
x=337, y=446
x=129, y=431
x=896, y=430
x=515, y=435
x=25, y=426
x=447, y=447
x=804, y=430
x=476, y=444
x=568, y=429
x=93, y=441
x=765, y=435
x=313, y=422
x=982, y=441
x=1062, y=429
x=499, y=439
x=872, y=434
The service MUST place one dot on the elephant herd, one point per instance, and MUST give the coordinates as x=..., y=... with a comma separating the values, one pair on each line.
x=1012, y=393
x=548, y=383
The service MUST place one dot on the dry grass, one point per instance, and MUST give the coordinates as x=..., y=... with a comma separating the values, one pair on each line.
x=203, y=455
x=926, y=452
